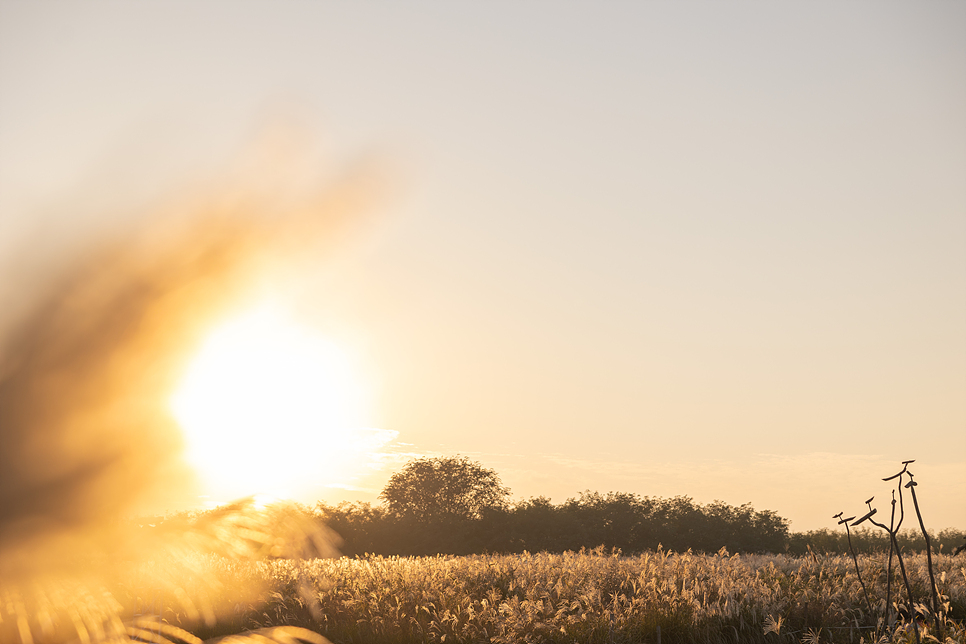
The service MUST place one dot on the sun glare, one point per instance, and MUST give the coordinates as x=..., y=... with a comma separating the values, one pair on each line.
x=267, y=406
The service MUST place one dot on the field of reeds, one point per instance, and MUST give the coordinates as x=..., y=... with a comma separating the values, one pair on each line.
x=587, y=597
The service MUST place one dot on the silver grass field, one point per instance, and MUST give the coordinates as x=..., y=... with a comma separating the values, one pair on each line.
x=171, y=592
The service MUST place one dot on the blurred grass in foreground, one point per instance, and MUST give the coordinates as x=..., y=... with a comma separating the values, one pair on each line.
x=100, y=336
x=163, y=583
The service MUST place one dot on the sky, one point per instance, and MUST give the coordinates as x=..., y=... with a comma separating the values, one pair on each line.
x=690, y=248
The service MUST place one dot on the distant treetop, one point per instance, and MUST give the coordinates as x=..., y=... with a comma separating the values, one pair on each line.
x=442, y=489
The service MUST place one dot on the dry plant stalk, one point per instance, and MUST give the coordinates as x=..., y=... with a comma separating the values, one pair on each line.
x=893, y=530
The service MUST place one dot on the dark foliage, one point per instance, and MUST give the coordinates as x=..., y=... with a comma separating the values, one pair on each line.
x=453, y=505
x=629, y=522
x=867, y=541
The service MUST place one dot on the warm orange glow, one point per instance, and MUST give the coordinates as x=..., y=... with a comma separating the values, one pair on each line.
x=267, y=406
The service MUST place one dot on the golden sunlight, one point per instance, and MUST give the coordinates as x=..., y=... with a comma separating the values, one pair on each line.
x=267, y=406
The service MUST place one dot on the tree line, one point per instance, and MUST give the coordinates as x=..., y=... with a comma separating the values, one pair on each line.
x=452, y=505
x=629, y=522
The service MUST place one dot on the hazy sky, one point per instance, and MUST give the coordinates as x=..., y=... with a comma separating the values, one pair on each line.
x=713, y=249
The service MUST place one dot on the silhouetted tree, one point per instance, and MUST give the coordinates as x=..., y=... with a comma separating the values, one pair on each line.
x=444, y=490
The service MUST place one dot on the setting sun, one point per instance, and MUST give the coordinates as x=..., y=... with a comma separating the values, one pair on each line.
x=268, y=406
